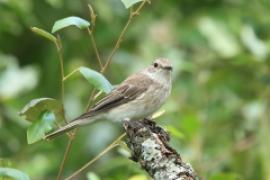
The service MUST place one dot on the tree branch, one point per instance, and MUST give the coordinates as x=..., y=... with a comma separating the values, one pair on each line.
x=149, y=145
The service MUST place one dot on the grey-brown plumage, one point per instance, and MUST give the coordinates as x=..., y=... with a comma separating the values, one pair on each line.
x=137, y=97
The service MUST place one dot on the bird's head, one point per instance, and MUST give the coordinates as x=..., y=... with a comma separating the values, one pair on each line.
x=161, y=68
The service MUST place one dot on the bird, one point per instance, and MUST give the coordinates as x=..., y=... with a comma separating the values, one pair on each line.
x=137, y=97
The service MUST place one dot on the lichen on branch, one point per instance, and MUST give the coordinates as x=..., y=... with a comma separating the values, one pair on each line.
x=149, y=145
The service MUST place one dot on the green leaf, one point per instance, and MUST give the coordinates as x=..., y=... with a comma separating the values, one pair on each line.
x=34, y=108
x=43, y=112
x=129, y=3
x=70, y=21
x=37, y=130
x=44, y=34
x=13, y=173
x=96, y=79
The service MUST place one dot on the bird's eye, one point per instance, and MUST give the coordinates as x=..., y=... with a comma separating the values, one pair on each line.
x=155, y=65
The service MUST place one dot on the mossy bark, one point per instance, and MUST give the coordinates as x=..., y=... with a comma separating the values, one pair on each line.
x=149, y=144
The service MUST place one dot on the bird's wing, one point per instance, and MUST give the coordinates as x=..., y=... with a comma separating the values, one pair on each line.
x=125, y=92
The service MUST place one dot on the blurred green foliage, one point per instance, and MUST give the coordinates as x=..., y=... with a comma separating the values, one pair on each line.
x=219, y=110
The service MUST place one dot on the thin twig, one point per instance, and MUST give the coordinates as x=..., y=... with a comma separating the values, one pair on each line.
x=137, y=11
x=70, y=74
x=97, y=95
x=93, y=41
x=58, y=45
x=110, y=147
x=61, y=61
x=117, y=45
x=90, y=99
x=93, y=16
x=70, y=140
x=60, y=172
x=132, y=14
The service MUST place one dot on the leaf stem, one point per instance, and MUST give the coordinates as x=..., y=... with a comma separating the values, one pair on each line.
x=70, y=74
x=110, y=147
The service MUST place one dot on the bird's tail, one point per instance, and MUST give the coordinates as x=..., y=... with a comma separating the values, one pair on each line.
x=72, y=125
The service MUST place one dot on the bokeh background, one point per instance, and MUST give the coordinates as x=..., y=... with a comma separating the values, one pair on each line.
x=218, y=114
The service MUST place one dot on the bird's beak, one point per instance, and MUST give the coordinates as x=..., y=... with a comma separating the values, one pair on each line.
x=169, y=68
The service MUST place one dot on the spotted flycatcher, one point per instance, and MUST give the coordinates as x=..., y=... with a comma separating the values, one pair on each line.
x=137, y=97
